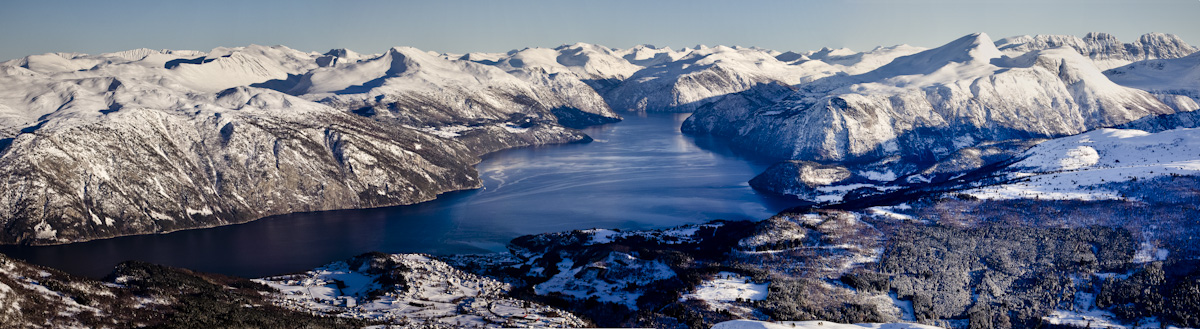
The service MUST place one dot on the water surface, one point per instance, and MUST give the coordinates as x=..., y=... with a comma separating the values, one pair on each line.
x=638, y=174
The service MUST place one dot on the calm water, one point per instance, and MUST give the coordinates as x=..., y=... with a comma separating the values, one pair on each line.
x=640, y=173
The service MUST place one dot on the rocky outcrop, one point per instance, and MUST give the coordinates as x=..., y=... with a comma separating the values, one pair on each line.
x=411, y=87
x=144, y=171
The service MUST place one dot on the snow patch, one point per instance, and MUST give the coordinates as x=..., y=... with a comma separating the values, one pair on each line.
x=728, y=287
x=751, y=324
x=884, y=176
x=1148, y=252
x=433, y=291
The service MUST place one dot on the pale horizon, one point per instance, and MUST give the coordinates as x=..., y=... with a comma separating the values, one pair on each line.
x=29, y=28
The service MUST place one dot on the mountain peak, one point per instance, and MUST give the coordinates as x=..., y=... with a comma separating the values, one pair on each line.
x=1157, y=36
x=1160, y=45
x=581, y=45
x=975, y=47
x=978, y=46
x=789, y=56
x=1157, y=39
x=405, y=50
x=1101, y=37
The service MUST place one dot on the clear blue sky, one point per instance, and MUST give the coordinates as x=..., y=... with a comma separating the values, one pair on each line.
x=34, y=27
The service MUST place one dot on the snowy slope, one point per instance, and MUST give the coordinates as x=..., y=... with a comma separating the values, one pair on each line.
x=211, y=160
x=1175, y=81
x=404, y=125
x=1091, y=166
x=726, y=290
x=413, y=87
x=850, y=62
x=685, y=84
x=927, y=105
x=147, y=141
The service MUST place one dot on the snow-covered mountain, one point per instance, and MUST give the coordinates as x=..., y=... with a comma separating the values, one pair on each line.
x=208, y=160
x=411, y=291
x=1103, y=48
x=230, y=130
x=147, y=141
x=1097, y=165
x=409, y=86
x=927, y=105
x=1175, y=81
x=704, y=75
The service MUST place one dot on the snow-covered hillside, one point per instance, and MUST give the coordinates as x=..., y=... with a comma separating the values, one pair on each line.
x=148, y=141
x=131, y=157
x=1175, y=81
x=1095, y=165
x=413, y=87
x=927, y=105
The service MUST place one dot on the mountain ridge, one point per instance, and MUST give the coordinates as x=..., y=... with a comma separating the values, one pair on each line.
x=877, y=104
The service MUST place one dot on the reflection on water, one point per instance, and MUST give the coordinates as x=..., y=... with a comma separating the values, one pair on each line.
x=640, y=173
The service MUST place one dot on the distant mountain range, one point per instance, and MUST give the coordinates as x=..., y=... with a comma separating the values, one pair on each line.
x=147, y=141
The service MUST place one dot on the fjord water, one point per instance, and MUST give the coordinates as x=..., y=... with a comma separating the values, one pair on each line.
x=641, y=173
